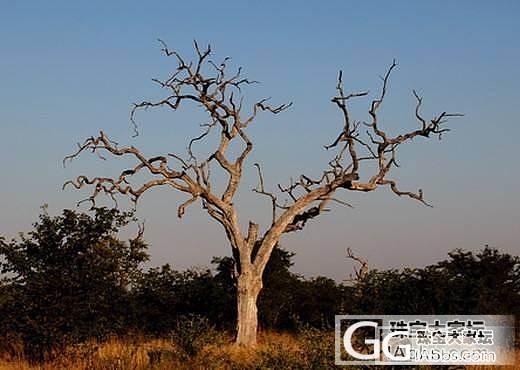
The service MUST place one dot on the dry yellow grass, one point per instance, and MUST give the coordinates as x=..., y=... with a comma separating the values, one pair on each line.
x=139, y=354
x=274, y=351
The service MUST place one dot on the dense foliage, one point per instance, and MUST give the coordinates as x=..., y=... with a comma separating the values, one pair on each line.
x=71, y=279
x=68, y=279
x=486, y=282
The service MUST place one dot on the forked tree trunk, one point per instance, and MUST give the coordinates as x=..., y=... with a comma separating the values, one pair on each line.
x=247, y=316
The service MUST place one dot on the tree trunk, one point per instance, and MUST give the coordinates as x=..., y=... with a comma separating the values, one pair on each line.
x=249, y=287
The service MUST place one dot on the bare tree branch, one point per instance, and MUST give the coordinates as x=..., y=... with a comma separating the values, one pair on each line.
x=309, y=195
x=217, y=94
x=261, y=190
x=363, y=269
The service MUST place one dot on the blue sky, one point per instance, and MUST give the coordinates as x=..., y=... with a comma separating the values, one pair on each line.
x=68, y=70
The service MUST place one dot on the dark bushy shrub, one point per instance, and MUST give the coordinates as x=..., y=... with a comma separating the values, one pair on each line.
x=68, y=280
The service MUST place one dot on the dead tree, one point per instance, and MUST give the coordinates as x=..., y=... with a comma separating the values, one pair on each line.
x=218, y=93
x=360, y=273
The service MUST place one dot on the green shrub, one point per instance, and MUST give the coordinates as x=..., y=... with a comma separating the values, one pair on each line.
x=67, y=280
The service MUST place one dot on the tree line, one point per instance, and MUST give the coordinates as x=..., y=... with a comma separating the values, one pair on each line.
x=71, y=279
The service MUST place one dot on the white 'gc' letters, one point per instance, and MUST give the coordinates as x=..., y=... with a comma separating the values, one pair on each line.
x=347, y=343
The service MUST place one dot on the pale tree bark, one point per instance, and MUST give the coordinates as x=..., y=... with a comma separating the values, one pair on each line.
x=360, y=273
x=248, y=290
x=218, y=93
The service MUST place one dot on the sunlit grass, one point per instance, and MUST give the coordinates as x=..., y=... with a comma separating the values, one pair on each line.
x=274, y=351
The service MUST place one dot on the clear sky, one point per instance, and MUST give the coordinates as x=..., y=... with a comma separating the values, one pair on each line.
x=71, y=68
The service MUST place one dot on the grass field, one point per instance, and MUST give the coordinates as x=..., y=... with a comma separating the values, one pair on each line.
x=311, y=350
